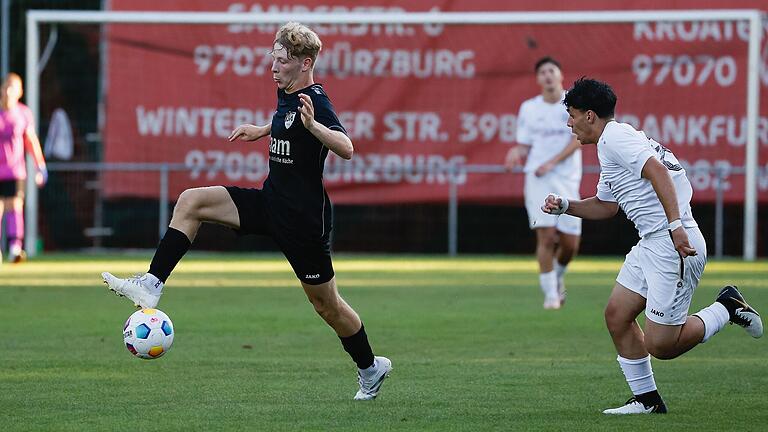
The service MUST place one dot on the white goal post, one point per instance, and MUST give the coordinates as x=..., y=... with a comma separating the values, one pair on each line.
x=753, y=17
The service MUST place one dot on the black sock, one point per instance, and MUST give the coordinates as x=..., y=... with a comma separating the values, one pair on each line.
x=358, y=348
x=650, y=399
x=172, y=247
x=728, y=302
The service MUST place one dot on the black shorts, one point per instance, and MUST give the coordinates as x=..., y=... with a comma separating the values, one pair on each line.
x=309, y=256
x=11, y=188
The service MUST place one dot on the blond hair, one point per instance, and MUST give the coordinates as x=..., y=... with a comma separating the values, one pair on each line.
x=299, y=41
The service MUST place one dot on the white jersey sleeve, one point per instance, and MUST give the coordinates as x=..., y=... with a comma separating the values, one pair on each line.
x=627, y=150
x=603, y=190
x=524, y=135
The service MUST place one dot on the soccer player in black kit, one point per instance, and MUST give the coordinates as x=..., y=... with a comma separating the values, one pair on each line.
x=292, y=207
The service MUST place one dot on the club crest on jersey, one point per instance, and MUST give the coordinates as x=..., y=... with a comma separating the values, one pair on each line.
x=289, y=119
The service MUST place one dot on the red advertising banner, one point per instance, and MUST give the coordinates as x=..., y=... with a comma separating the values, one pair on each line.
x=421, y=101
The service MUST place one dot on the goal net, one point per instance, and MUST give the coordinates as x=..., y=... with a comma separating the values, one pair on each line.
x=430, y=101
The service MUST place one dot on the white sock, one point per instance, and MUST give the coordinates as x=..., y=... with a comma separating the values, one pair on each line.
x=156, y=286
x=548, y=283
x=715, y=317
x=370, y=370
x=638, y=373
x=560, y=269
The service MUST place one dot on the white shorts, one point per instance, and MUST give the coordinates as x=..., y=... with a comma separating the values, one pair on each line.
x=654, y=269
x=536, y=191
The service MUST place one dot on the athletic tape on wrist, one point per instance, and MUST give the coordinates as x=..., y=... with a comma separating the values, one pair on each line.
x=563, y=204
x=675, y=224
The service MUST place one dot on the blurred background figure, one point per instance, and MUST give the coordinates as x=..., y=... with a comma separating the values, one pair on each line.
x=17, y=138
x=552, y=159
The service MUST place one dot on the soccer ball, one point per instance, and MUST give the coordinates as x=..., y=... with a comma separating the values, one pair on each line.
x=148, y=333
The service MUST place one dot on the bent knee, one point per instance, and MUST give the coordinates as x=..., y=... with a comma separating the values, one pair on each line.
x=17, y=202
x=548, y=238
x=326, y=308
x=189, y=201
x=613, y=316
x=569, y=244
x=661, y=350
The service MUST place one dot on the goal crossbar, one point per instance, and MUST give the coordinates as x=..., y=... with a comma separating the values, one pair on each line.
x=752, y=16
x=95, y=17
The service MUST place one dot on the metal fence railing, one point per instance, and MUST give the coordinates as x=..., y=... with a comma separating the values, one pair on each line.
x=164, y=170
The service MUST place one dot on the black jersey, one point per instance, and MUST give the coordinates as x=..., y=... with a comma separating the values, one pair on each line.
x=294, y=187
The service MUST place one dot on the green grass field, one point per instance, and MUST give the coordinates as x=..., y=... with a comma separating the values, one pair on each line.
x=471, y=346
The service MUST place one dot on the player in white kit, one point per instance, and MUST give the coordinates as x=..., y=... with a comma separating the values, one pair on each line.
x=661, y=272
x=552, y=164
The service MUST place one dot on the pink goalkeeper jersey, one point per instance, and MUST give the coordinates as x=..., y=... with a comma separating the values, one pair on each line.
x=13, y=123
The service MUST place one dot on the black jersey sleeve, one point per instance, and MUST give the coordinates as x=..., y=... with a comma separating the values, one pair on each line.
x=324, y=112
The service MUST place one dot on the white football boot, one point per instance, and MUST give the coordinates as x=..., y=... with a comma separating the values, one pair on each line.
x=139, y=289
x=552, y=302
x=561, y=292
x=16, y=254
x=370, y=385
x=634, y=406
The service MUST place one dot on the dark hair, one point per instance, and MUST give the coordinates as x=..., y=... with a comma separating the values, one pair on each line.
x=590, y=94
x=545, y=60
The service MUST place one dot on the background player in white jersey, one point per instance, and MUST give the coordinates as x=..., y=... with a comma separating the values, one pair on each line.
x=552, y=164
x=662, y=271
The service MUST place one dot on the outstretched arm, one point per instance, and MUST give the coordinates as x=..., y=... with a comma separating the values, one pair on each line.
x=249, y=132
x=590, y=208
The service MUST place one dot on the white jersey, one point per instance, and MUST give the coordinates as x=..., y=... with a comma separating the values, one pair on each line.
x=544, y=127
x=623, y=151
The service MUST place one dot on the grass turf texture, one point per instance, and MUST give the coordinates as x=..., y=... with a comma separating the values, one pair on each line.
x=471, y=346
